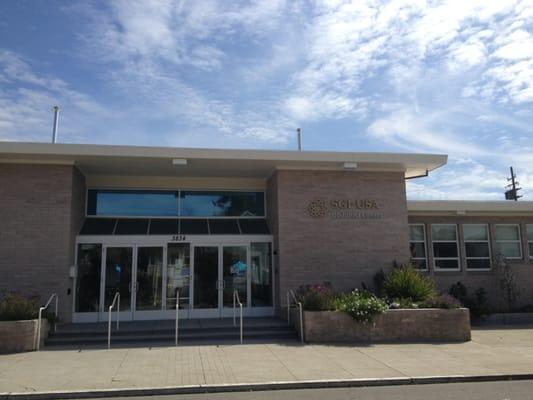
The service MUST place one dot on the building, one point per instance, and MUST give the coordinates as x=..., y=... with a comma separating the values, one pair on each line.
x=154, y=224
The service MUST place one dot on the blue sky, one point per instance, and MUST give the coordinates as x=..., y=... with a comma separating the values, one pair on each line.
x=453, y=77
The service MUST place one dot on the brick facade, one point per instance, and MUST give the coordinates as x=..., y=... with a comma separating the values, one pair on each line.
x=345, y=252
x=41, y=212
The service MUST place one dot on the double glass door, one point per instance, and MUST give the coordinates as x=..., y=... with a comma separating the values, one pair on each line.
x=218, y=272
x=136, y=273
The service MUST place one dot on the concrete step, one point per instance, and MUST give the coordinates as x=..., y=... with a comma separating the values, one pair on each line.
x=203, y=336
x=197, y=331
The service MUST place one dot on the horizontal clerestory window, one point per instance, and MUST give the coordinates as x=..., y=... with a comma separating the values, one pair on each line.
x=174, y=203
x=530, y=240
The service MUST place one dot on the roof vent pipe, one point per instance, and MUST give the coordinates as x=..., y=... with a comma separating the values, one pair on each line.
x=56, y=123
x=299, y=132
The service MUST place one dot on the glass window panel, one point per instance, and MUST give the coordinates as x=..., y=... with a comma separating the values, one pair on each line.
x=447, y=264
x=509, y=249
x=222, y=204
x=507, y=232
x=418, y=250
x=474, y=249
x=445, y=250
x=416, y=232
x=132, y=227
x=132, y=202
x=261, y=274
x=475, y=232
x=223, y=227
x=149, y=278
x=98, y=226
x=235, y=272
x=193, y=227
x=160, y=226
x=178, y=273
x=443, y=232
x=529, y=231
x=530, y=250
x=254, y=226
x=478, y=264
x=88, y=277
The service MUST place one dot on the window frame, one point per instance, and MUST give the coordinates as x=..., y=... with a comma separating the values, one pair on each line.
x=519, y=240
x=425, y=246
x=529, y=241
x=456, y=241
x=478, y=241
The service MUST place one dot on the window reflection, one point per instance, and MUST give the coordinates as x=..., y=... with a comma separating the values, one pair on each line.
x=221, y=204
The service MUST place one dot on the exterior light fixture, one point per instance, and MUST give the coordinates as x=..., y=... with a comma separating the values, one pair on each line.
x=350, y=165
x=179, y=161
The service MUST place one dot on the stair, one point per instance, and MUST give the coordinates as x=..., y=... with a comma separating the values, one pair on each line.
x=199, y=331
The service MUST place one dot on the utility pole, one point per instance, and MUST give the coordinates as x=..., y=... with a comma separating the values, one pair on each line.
x=512, y=189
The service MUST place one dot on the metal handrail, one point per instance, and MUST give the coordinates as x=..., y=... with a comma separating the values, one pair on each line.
x=236, y=299
x=177, y=315
x=291, y=295
x=39, y=321
x=116, y=299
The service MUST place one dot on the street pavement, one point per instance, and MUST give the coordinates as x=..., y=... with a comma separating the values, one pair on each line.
x=509, y=390
x=491, y=352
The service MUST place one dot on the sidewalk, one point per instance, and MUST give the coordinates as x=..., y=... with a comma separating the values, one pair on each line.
x=491, y=352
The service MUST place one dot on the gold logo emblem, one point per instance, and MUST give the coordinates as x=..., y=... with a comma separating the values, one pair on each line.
x=317, y=208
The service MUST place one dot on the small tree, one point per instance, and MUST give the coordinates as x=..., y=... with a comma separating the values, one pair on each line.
x=507, y=279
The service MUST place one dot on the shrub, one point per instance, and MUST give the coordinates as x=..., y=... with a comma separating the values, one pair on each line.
x=402, y=304
x=317, y=297
x=15, y=307
x=478, y=305
x=406, y=282
x=360, y=305
x=442, y=300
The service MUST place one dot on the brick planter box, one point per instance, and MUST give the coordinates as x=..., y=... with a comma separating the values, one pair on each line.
x=393, y=326
x=19, y=336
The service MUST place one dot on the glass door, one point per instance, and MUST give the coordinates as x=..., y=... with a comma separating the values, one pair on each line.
x=148, y=279
x=234, y=274
x=206, y=283
x=118, y=278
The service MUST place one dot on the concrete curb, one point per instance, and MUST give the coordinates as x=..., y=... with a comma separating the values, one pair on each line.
x=250, y=387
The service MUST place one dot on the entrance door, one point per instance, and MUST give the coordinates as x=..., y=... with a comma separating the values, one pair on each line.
x=118, y=278
x=234, y=274
x=148, y=280
x=218, y=272
x=206, y=280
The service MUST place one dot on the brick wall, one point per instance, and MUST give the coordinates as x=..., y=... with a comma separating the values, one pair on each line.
x=344, y=252
x=41, y=209
x=489, y=280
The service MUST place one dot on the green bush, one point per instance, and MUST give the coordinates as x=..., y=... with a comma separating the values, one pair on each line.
x=317, y=297
x=406, y=282
x=360, y=305
x=15, y=307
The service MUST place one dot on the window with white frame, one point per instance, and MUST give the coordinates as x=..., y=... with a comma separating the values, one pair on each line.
x=508, y=241
x=445, y=247
x=477, y=246
x=530, y=240
x=417, y=245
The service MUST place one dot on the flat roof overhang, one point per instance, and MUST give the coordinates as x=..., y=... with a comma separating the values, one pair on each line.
x=469, y=208
x=157, y=161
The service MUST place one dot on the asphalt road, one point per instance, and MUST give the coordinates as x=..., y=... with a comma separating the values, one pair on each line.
x=509, y=390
